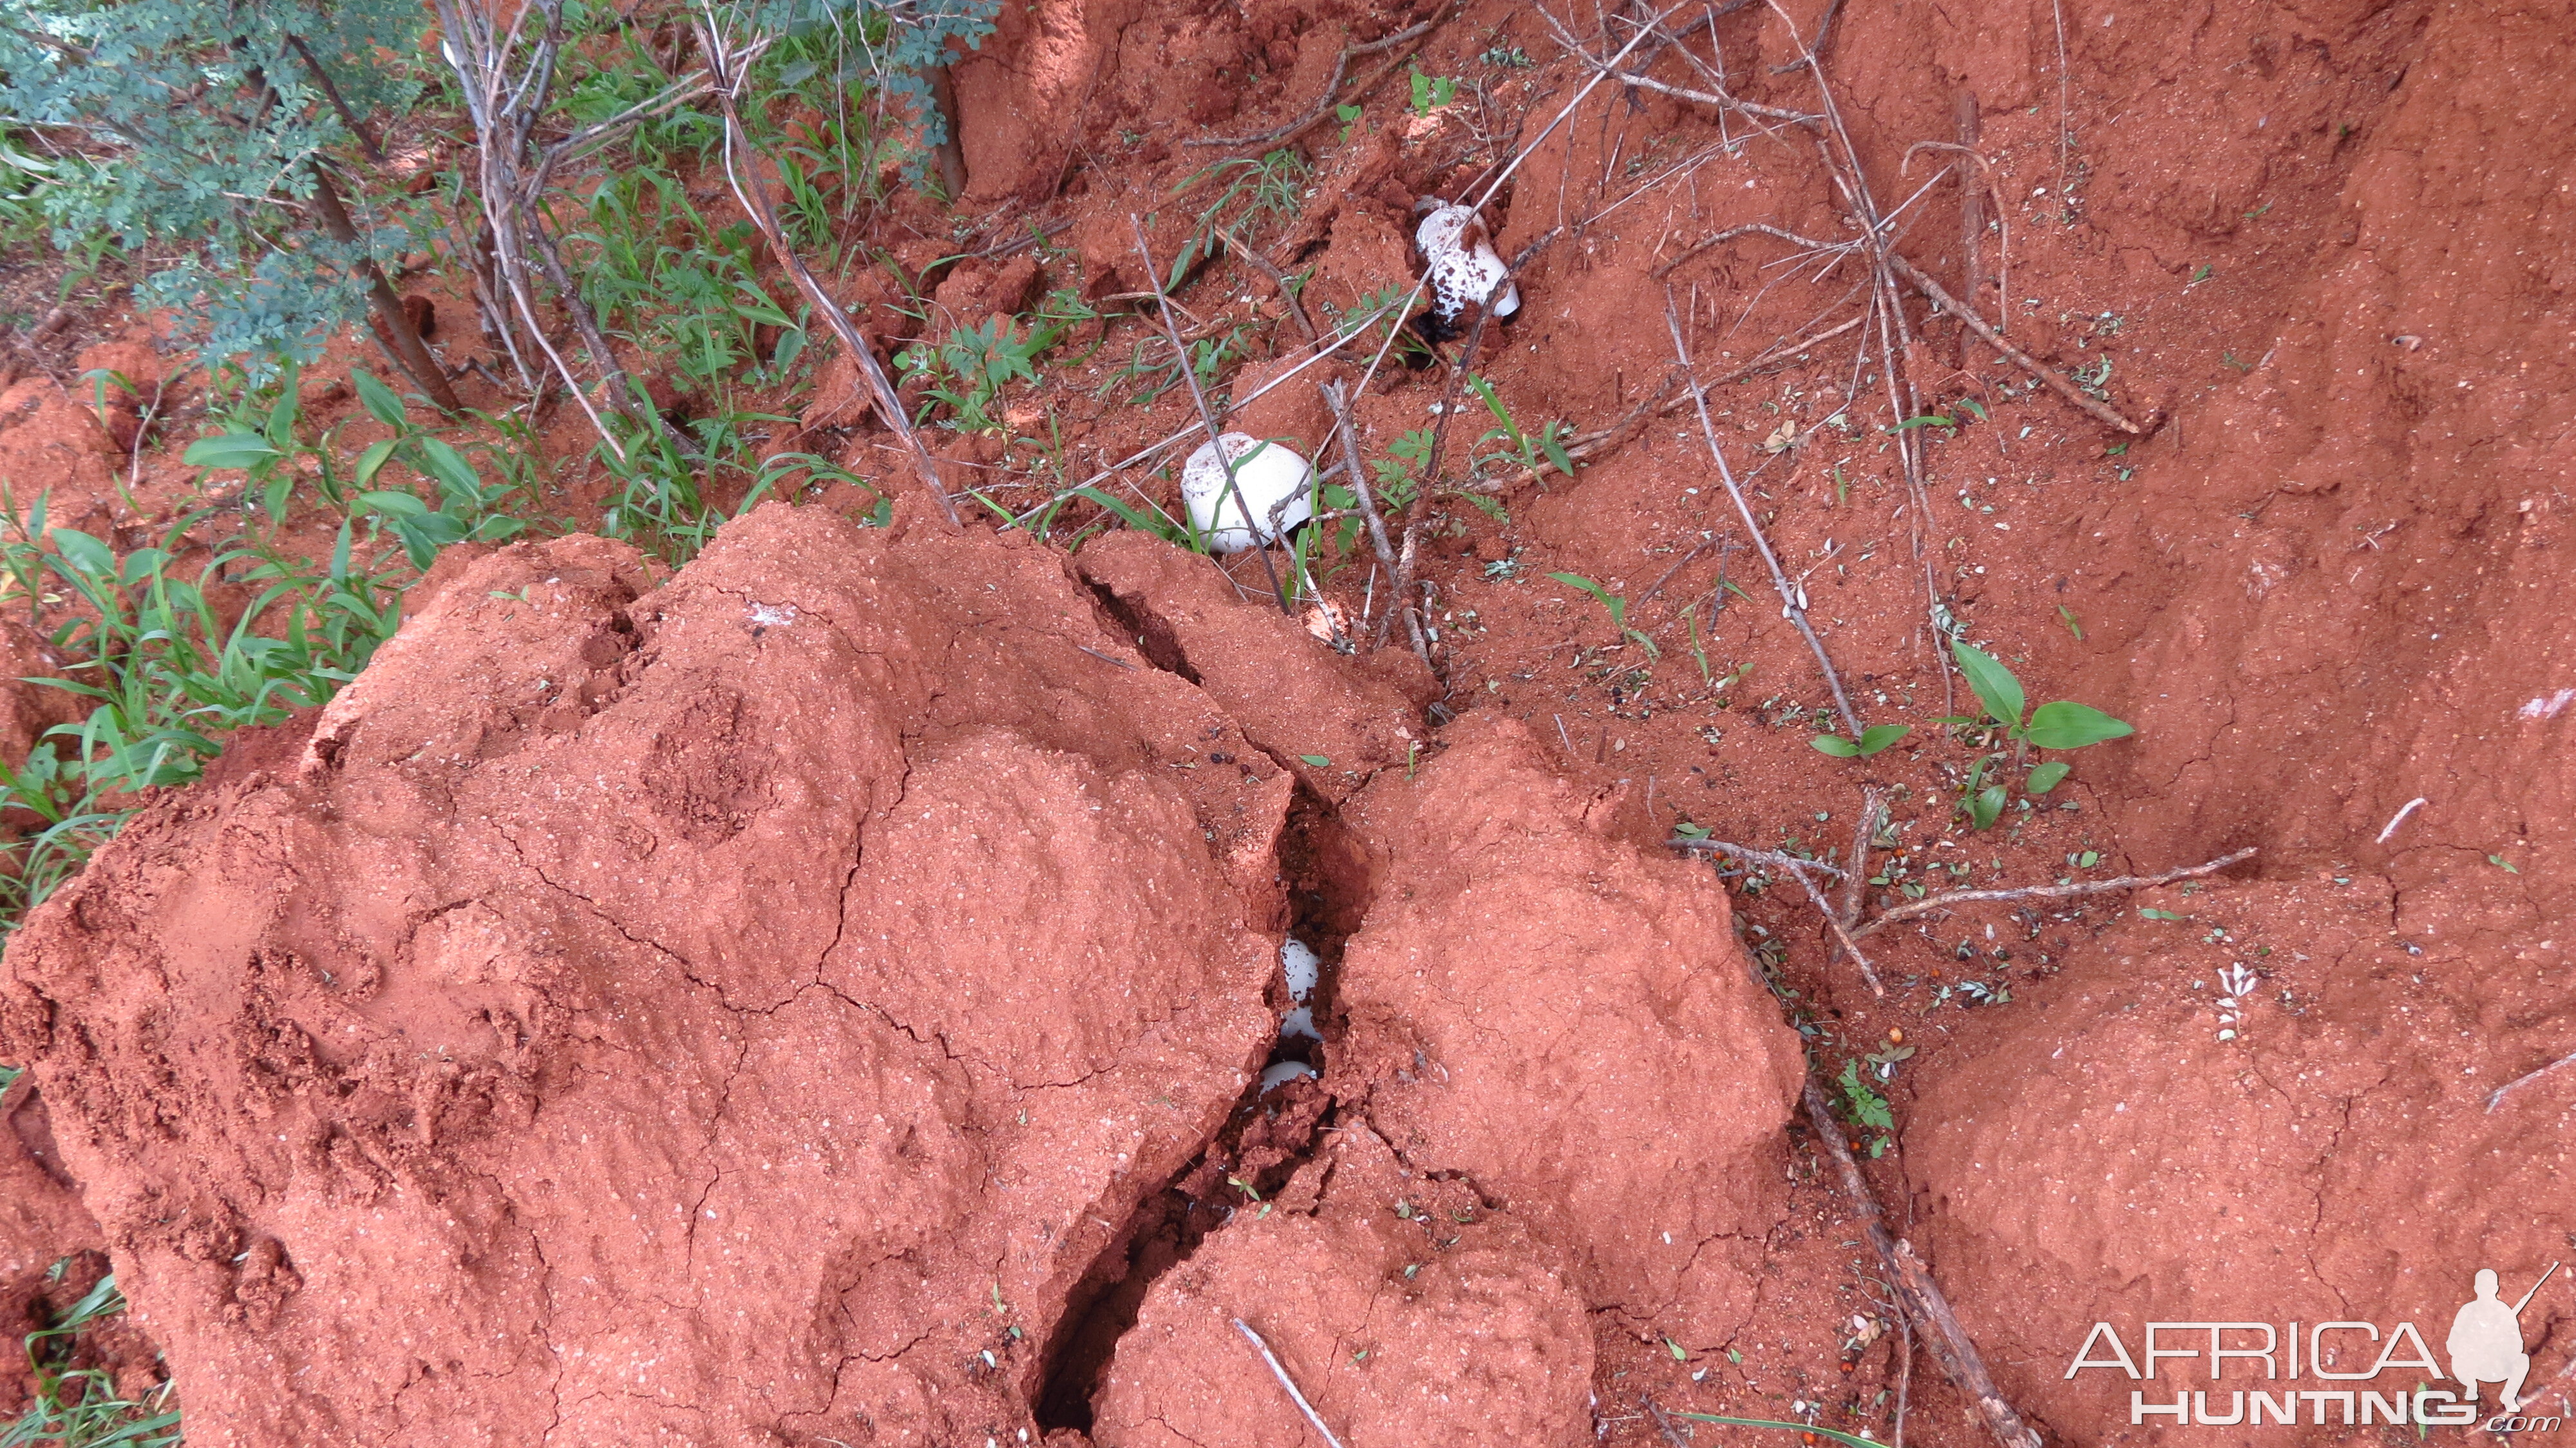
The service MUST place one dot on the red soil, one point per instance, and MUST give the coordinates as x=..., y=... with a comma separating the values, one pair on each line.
x=459, y=1065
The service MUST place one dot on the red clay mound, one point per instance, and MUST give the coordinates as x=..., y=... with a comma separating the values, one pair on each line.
x=1297, y=700
x=1566, y=1022
x=1405, y=1311
x=2289, y=1122
x=735, y=1012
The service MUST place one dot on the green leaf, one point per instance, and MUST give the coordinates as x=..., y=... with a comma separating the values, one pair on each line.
x=1878, y=736
x=229, y=450
x=1932, y=420
x=1317, y=760
x=1996, y=687
x=2068, y=725
x=91, y=557
x=1835, y=745
x=394, y=503
x=1973, y=405
x=378, y=399
x=2501, y=863
x=2152, y=914
x=2045, y=777
x=1616, y=603
x=1679, y=1355
x=455, y=475
x=372, y=461
x=1987, y=806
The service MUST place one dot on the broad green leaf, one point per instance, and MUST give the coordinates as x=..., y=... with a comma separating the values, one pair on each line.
x=2068, y=725
x=1996, y=687
x=1989, y=804
x=394, y=503
x=1835, y=745
x=1878, y=736
x=373, y=460
x=454, y=474
x=88, y=555
x=378, y=399
x=2045, y=777
x=1317, y=760
x=229, y=450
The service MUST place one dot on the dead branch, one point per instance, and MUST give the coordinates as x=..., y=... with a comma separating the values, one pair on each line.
x=1701, y=845
x=1280, y=1371
x=1926, y=906
x=1792, y=603
x=726, y=67
x=1872, y=805
x=1967, y=315
x=1208, y=414
x=1375, y=523
x=1922, y=1297
x=1664, y=1423
x=1797, y=868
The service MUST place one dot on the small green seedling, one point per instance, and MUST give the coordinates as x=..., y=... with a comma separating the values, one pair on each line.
x=1349, y=116
x=2066, y=616
x=1617, y=604
x=1431, y=92
x=2063, y=724
x=1872, y=739
x=1865, y=1107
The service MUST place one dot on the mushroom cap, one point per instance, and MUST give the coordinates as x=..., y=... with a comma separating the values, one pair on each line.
x=1276, y=484
x=1465, y=268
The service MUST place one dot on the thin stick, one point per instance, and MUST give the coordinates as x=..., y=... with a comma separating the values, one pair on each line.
x=1972, y=198
x=1904, y=1375
x=1663, y=1423
x=1792, y=863
x=1921, y=1296
x=2507, y=1089
x=1281, y=1373
x=1208, y=415
x=1376, y=525
x=1872, y=805
x=1798, y=868
x=1430, y=479
x=1842, y=935
x=2050, y=892
x=726, y=80
x=1789, y=602
x=2057, y=384
x=2399, y=818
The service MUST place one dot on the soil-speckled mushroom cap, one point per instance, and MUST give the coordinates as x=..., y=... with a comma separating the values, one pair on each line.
x=1465, y=268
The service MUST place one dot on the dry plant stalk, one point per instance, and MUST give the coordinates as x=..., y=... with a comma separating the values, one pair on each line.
x=1922, y=1297
x=1209, y=416
x=1931, y=903
x=727, y=66
x=1791, y=605
x=1280, y=1371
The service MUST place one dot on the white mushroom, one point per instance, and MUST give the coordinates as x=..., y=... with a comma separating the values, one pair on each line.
x=1283, y=1073
x=1301, y=967
x=1465, y=268
x=1277, y=486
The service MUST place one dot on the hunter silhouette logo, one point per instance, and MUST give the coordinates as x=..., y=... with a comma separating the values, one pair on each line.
x=2486, y=1341
x=2366, y=1377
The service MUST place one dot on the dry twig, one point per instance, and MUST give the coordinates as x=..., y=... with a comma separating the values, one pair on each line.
x=2049, y=892
x=1332, y=85
x=1208, y=415
x=726, y=68
x=1279, y=1371
x=2507, y=1089
x=1792, y=606
x=1921, y=1296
